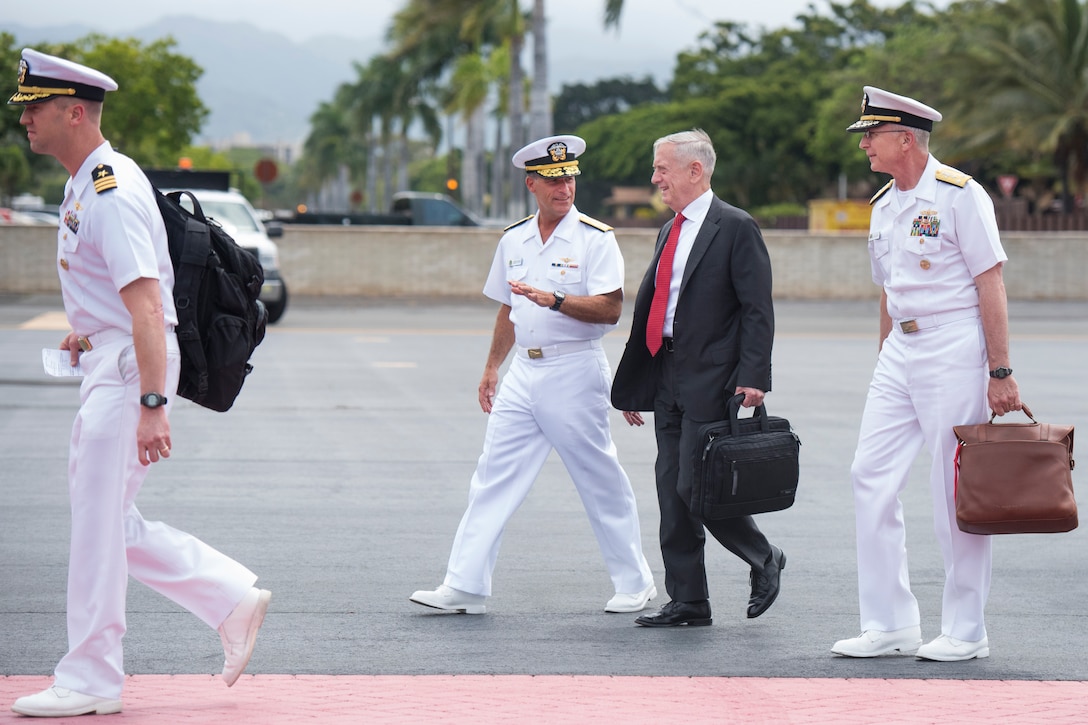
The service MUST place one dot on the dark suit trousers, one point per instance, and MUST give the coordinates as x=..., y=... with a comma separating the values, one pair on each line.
x=682, y=534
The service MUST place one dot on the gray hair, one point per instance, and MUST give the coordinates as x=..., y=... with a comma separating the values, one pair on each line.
x=693, y=145
x=921, y=137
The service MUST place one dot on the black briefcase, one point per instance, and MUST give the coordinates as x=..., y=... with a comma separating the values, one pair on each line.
x=745, y=465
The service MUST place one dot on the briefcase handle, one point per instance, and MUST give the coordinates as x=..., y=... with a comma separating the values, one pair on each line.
x=758, y=413
x=1023, y=407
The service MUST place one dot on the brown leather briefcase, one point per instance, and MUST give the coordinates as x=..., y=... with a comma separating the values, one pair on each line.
x=1015, y=478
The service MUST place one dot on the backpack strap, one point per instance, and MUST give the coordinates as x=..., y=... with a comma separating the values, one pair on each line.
x=191, y=267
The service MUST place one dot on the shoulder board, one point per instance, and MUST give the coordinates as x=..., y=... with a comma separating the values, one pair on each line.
x=103, y=178
x=594, y=223
x=518, y=223
x=952, y=176
x=881, y=193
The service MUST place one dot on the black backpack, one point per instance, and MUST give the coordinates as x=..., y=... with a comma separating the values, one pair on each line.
x=220, y=319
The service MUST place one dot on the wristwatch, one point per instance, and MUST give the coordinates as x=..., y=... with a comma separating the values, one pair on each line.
x=1001, y=373
x=559, y=297
x=152, y=400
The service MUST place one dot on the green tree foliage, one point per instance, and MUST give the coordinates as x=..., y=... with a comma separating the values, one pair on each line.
x=152, y=117
x=156, y=112
x=1020, y=76
x=580, y=103
x=764, y=97
x=15, y=166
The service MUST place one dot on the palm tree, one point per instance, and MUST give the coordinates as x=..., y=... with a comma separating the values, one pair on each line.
x=433, y=34
x=330, y=151
x=1026, y=63
x=469, y=89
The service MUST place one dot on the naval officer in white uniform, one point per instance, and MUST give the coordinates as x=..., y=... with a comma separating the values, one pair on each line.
x=558, y=277
x=117, y=281
x=944, y=361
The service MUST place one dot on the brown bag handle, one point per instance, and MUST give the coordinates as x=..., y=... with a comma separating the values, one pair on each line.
x=1023, y=406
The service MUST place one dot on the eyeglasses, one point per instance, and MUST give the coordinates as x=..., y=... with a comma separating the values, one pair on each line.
x=868, y=135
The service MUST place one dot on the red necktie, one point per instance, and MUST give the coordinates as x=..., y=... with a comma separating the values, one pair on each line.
x=656, y=322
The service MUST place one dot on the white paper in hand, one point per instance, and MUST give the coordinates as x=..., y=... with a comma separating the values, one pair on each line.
x=58, y=363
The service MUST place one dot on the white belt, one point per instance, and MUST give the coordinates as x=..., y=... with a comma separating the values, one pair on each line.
x=562, y=348
x=97, y=339
x=941, y=318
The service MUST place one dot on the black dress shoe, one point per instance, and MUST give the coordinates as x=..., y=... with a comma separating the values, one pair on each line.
x=674, y=614
x=765, y=584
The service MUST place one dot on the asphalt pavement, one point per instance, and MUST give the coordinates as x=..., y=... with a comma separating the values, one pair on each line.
x=342, y=471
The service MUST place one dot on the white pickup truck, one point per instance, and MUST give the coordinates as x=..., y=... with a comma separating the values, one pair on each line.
x=239, y=219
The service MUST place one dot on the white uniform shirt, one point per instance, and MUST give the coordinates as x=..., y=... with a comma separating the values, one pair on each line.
x=579, y=259
x=927, y=249
x=108, y=239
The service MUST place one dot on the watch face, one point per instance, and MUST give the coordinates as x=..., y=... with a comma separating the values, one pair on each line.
x=152, y=400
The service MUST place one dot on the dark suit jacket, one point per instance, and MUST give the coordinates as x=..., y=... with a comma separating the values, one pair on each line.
x=724, y=323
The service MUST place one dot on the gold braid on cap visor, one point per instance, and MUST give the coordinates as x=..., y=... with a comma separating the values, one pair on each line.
x=29, y=94
x=886, y=119
x=563, y=168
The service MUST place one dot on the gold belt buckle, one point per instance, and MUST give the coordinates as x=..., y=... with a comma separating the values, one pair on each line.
x=85, y=344
x=535, y=353
x=909, y=326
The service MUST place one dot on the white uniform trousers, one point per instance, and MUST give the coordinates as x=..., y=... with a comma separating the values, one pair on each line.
x=925, y=383
x=559, y=402
x=111, y=540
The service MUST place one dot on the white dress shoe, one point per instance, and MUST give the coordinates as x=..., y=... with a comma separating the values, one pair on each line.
x=873, y=643
x=59, y=702
x=451, y=600
x=238, y=632
x=631, y=602
x=950, y=649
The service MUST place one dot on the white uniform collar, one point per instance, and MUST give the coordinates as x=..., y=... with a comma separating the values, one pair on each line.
x=564, y=230
x=924, y=190
x=83, y=177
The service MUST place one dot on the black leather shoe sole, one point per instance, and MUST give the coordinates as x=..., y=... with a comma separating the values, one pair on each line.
x=647, y=622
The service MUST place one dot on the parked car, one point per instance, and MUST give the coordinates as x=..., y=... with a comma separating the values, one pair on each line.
x=409, y=208
x=240, y=220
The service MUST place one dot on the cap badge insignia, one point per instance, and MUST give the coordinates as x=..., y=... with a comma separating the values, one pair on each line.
x=22, y=71
x=558, y=151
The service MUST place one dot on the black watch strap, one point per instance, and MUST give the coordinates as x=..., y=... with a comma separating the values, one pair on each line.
x=1000, y=373
x=152, y=400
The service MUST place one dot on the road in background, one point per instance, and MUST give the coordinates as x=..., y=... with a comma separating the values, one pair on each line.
x=342, y=472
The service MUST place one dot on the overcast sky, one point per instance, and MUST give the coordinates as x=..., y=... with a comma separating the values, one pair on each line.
x=651, y=32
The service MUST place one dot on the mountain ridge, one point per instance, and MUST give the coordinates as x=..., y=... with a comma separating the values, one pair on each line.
x=260, y=86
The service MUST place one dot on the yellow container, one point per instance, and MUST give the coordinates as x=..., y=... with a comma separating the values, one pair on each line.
x=838, y=215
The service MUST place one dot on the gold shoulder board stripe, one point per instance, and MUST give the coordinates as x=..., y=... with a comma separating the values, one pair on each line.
x=103, y=177
x=952, y=176
x=518, y=223
x=880, y=193
x=594, y=223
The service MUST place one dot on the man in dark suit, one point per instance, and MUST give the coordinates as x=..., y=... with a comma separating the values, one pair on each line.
x=702, y=332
